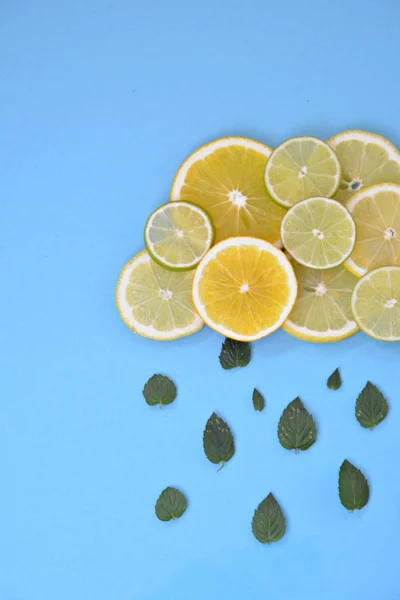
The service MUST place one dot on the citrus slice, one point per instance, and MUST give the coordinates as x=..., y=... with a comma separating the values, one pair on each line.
x=154, y=302
x=376, y=211
x=244, y=288
x=366, y=159
x=376, y=304
x=322, y=312
x=177, y=235
x=300, y=168
x=226, y=178
x=319, y=233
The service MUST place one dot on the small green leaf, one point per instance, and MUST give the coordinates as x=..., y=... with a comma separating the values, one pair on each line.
x=269, y=524
x=258, y=400
x=218, y=441
x=353, y=487
x=296, y=428
x=371, y=406
x=334, y=381
x=159, y=390
x=171, y=504
x=234, y=354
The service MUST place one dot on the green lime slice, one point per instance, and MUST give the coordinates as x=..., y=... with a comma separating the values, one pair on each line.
x=319, y=233
x=178, y=235
x=301, y=168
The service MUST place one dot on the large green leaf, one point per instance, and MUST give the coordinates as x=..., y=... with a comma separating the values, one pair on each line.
x=371, y=406
x=159, y=390
x=234, y=354
x=170, y=505
x=268, y=523
x=296, y=428
x=218, y=441
x=353, y=487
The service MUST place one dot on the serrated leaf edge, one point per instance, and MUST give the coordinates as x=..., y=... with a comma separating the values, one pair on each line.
x=222, y=462
x=160, y=403
x=297, y=404
x=180, y=494
x=359, y=399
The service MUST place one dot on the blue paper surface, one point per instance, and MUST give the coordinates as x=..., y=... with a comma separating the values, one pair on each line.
x=100, y=102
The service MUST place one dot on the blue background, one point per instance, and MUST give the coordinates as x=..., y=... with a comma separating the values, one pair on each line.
x=100, y=102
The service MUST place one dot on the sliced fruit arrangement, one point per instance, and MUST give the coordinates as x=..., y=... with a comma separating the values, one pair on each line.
x=376, y=211
x=376, y=304
x=319, y=233
x=226, y=178
x=154, y=302
x=249, y=199
x=366, y=159
x=301, y=168
x=177, y=235
x=322, y=312
x=244, y=288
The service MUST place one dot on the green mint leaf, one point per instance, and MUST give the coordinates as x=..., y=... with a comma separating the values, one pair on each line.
x=258, y=400
x=218, y=441
x=353, y=487
x=296, y=428
x=159, y=390
x=334, y=381
x=269, y=524
x=170, y=505
x=234, y=354
x=371, y=406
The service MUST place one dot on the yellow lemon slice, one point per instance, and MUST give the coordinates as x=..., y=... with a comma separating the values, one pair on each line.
x=366, y=159
x=322, y=312
x=154, y=302
x=319, y=233
x=376, y=304
x=376, y=211
x=300, y=168
x=226, y=178
x=244, y=288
